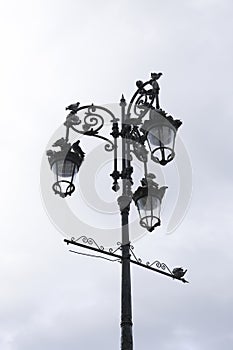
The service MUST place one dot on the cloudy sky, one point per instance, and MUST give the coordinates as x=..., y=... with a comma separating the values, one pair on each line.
x=54, y=53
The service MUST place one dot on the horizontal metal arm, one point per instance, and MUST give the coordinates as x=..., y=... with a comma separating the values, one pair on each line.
x=102, y=251
x=159, y=271
x=67, y=241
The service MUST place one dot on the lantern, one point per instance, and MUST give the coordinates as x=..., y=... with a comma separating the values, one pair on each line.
x=148, y=198
x=65, y=165
x=160, y=131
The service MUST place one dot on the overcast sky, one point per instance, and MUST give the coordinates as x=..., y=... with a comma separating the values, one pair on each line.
x=54, y=53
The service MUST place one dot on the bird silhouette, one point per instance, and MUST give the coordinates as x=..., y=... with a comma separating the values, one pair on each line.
x=73, y=107
x=78, y=149
x=156, y=76
x=179, y=272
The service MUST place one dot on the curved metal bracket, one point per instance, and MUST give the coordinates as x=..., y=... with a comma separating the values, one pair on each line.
x=143, y=99
x=91, y=123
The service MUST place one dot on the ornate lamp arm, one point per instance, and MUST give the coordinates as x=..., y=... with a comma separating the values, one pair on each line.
x=143, y=99
x=91, y=123
x=159, y=130
x=141, y=102
x=89, y=120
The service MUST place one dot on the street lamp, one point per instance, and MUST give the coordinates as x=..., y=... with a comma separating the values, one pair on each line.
x=135, y=131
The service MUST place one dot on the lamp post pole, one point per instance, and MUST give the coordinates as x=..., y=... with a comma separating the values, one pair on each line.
x=124, y=204
x=126, y=305
x=159, y=131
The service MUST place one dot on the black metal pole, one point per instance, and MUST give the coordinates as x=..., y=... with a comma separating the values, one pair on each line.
x=126, y=307
x=124, y=203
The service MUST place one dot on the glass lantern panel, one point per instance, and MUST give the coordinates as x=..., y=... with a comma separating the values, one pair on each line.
x=161, y=135
x=64, y=169
x=148, y=203
x=149, y=206
x=149, y=210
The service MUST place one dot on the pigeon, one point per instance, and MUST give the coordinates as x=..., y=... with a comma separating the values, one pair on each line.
x=156, y=76
x=179, y=272
x=78, y=149
x=73, y=107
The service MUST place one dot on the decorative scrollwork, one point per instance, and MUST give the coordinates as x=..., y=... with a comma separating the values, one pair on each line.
x=139, y=260
x=91, y=241
x=88, y=120
x=159, y=265
x=111, y=250
x=92, y=120
x=143, y=98
x=140, y=151
x=86, y=240
x=142, y=103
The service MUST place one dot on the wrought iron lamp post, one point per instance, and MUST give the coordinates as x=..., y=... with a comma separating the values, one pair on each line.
x=135, y=131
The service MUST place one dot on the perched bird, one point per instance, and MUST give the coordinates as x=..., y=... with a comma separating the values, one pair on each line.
x=156, y=76
x=155, y=86
x=179, y=272
x=78, y=149
x=73, y=107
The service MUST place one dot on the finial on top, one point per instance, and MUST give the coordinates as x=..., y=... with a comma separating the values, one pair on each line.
x=123, y=101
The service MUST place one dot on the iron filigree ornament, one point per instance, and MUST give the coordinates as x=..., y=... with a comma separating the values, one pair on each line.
x=143, y=98
x=91, y=123
x=91, y=242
